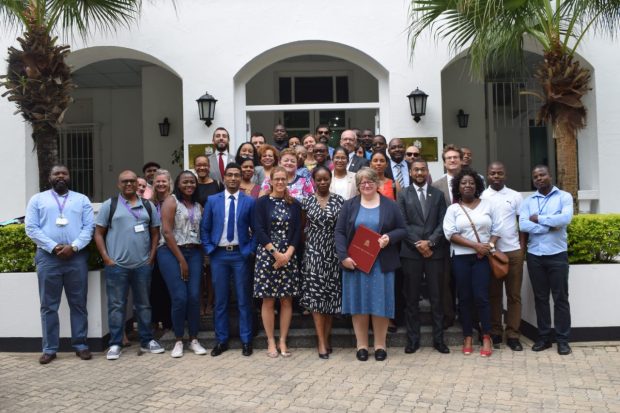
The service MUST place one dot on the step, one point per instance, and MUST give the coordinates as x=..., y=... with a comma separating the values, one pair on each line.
x=306, y=338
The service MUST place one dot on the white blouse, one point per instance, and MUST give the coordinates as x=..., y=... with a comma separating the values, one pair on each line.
x=485, y=217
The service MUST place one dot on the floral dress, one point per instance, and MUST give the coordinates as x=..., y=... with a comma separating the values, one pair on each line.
x=321, y=276
x=268, y=281
x=299, y=189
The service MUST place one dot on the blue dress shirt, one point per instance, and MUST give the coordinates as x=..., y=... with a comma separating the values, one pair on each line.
x=41, y=215
x=555, y=212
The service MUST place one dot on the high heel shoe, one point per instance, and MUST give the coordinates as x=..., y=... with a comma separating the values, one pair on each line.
x=486, y=353
x=467, y=349
x=324, y=356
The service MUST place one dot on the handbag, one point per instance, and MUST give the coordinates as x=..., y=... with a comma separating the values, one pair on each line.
x=497, y=259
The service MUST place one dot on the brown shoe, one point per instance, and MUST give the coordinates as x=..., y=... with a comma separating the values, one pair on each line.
x=47, y=358
x=84, y=354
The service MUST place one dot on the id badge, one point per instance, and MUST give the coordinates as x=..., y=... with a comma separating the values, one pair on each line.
x=62, y=221
x=193, y=233
x=138, y=228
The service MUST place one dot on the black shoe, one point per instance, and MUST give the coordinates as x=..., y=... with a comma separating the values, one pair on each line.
x=246, y=350
x=497, y=340
x=412, y=348
x=514, y=344
x=541, y=345
x=219, y=349
x=324, y=356
x=330, y=350
x=47, y=358
x=441, y=347
x=380, y=354
x=564, y=349
x=392, y=329
x=362, y=354
x=84, y=354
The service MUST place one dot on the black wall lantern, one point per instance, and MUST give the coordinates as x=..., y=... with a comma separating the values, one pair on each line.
x=417, y=103
x=463, y=118
x=164, y=128
x=206, y=108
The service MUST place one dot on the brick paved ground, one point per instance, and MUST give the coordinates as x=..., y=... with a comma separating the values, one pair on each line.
x=587, y=380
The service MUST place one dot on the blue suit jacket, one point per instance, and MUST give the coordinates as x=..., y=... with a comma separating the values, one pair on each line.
x=212, y=225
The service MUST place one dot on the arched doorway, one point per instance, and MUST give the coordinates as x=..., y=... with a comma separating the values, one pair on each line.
x=122, y=96
x=502, y=122
x=302, y=84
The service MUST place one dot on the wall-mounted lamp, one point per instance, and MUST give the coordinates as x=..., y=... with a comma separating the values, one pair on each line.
x=417, y=104
x=164, y=128
x=206, y=108
x=463, y=118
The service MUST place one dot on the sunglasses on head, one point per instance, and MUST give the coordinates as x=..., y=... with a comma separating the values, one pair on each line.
x=414, y=154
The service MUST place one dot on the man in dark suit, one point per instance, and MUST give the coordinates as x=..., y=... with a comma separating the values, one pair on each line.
x=226, y=234
x=452, y=159
x=221, y=157
x=348, y=140
x=422, y=252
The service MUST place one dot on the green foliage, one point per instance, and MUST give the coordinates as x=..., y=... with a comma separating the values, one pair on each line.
x=17, y=251
x=594, y=238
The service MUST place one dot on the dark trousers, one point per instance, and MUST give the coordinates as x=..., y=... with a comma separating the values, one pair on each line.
x=472, y=276
x=448, y=290
x=413, y=273
x=512, y=282
x=549, y=274
x=160, y=299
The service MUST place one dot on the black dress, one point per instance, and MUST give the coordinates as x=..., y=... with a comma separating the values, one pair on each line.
x=321, y=289
x=284, y=281
x=206, y=190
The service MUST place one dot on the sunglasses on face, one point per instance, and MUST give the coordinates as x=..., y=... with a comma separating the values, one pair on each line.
x=413, y=154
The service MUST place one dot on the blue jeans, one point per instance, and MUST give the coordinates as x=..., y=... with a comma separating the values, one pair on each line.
x=549, y=275
x=227, y=265
x=472, y=277
x=54, y=274
x=117, y=282
x=184, y=295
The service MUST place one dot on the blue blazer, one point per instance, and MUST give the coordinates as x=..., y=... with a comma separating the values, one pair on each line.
x=212, y=225
x=391, y=222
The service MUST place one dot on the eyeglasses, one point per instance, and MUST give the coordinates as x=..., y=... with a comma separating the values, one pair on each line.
x=323, y=132
x=413, y=154
x=129, y=181
x=367, y=183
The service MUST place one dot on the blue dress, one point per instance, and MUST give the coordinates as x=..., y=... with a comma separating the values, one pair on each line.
x=368, y=293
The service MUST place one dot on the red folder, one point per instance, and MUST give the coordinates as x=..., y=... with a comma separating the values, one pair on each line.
x=364, y=248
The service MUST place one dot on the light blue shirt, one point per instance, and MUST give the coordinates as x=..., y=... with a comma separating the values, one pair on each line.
x=555, y=212
x=43, y=211
x=404, y=169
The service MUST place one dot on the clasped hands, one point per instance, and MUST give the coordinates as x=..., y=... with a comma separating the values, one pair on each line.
x=282, y=259
x=424, y=248
x=63, y=251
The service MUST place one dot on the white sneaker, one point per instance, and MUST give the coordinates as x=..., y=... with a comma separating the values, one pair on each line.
x=177, y=351
x=113, y=353
x=197, y=348
x=153, y=347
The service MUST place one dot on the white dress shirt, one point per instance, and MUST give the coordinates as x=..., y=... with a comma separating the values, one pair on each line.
x=507, y=203
x=223, y=239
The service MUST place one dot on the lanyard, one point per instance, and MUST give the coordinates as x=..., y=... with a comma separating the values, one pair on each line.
x=60, y=207
x=540, y=209
x=136, y=214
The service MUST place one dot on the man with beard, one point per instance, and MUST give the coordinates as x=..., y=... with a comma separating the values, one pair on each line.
x=323, y=134
x=126, y=235
x=545, y=215
x=280, y=137
x=226, y=235
x=61, y=223
x=507, y=201
x=221, y=157
x=399, y=167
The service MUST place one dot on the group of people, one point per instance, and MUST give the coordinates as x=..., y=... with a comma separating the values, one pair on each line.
x=275, y=222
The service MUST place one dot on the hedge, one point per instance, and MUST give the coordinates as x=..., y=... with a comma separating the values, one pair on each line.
x=17, y=251
x=592, y=238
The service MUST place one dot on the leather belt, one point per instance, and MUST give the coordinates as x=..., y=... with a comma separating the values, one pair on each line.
x=189, y=246
x=229, y=248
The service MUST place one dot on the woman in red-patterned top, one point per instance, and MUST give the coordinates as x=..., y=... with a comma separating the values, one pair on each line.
x=387, y=187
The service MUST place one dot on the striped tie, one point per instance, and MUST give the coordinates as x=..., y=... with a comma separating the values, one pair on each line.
x=399, y=175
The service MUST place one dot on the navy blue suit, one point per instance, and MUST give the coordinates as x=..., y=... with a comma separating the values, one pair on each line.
x=229, y=262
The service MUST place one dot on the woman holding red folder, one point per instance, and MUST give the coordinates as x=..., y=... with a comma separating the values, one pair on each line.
x=370, y=295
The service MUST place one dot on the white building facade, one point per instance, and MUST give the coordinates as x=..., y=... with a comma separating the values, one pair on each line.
x=298, y=63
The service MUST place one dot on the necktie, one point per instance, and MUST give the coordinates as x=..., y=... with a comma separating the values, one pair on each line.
x=230, y=232
x=221, y=165
x=399, y=175
x=422, y=200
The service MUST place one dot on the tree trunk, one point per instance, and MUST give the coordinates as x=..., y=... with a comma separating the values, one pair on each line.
x=567, y=163
x=46, y=140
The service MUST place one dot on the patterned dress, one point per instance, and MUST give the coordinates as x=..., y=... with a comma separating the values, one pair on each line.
x=321, y=289
x=283, y=282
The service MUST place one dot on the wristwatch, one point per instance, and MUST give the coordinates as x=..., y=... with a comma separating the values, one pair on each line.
x=492, y=245
x=431, y=244
x=74, y=248
x=272, y=250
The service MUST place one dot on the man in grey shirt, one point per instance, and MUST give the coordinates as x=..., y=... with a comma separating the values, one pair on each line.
x=126, y=235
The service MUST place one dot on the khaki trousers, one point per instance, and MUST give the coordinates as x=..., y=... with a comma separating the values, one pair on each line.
x=513, y=283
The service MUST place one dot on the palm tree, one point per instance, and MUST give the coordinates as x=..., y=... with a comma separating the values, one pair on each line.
x=38, y=79
x=494, y=31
